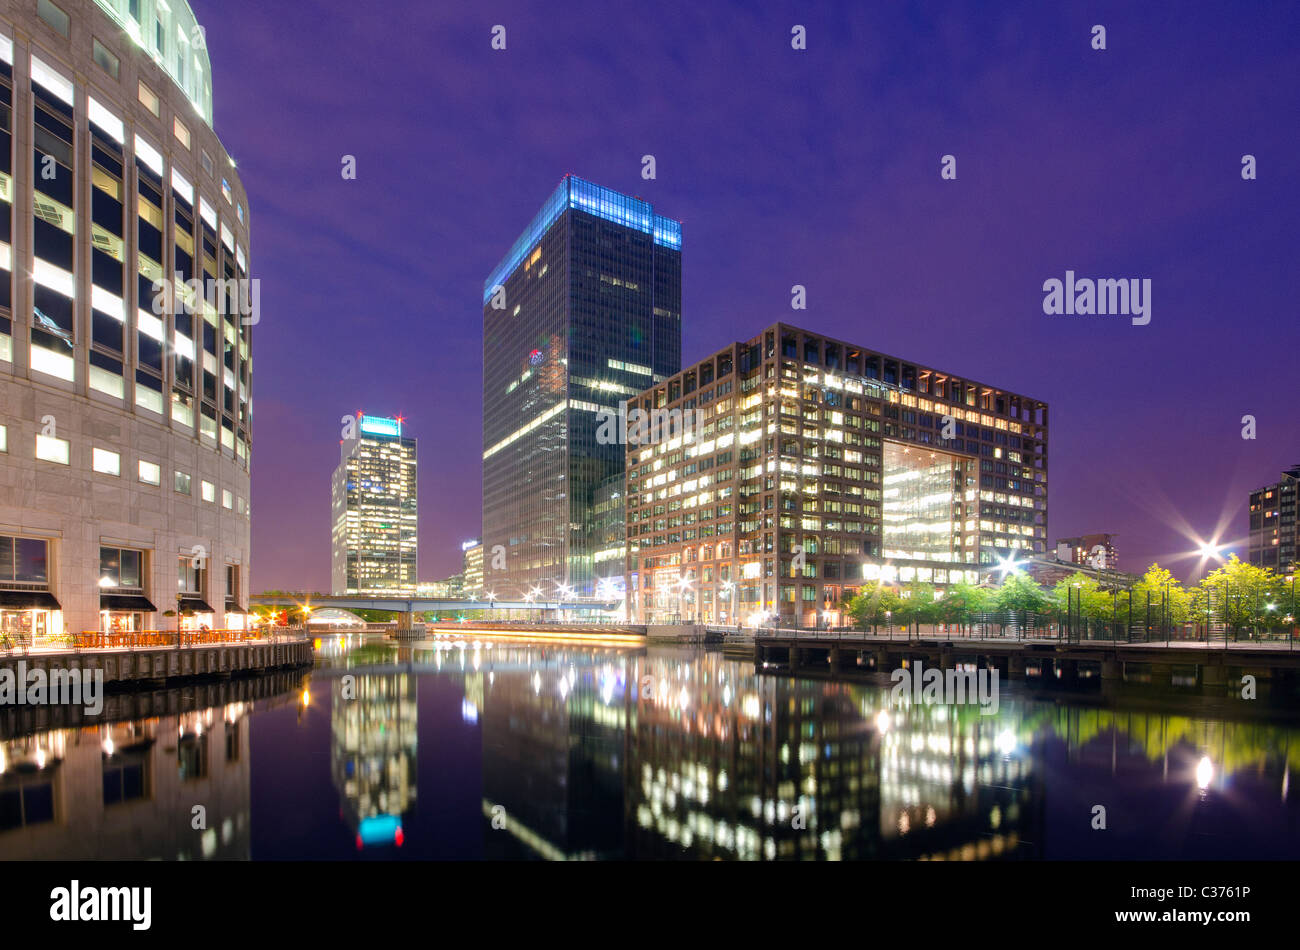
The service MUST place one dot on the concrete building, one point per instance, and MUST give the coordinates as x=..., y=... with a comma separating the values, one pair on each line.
x=374, y=497
x=582, y=312
x=783, y=473
x=1274, y=528
x=1094, y=550
x=126, y=316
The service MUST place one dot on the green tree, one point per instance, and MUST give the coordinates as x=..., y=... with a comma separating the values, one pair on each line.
x=874, y=605
x=1242, y=595
x=1020, y=594
x=961, y=603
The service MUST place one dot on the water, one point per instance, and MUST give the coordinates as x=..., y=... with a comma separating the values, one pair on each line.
x=527, y=751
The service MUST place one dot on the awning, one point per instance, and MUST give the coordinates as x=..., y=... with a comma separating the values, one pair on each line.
x=232, y=606
x=195, y=605
x=136, y=602
x=28, y=600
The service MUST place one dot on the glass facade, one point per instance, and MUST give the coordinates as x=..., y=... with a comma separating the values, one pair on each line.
x=587, y=314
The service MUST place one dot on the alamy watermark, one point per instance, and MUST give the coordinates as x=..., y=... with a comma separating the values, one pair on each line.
x=945, y=687
x=1105, y=295
x=647, y=426
x=241, y=296
x=56, y=687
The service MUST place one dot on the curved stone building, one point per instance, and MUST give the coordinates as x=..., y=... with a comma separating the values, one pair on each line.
x=126, y=316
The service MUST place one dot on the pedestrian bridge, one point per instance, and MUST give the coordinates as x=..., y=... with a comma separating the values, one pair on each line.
x=421, y=604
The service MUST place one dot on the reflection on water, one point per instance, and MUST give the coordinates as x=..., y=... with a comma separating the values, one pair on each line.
x=588, y=752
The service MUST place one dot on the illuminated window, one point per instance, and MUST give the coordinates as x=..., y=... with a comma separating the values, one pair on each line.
x=181, y=131
x=51, y=449
x=209, y=491
x=106, y=462
x=150, y=473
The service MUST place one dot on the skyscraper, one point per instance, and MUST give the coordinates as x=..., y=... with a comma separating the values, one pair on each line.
x=583, y=311
x=125, y=420
x=374, y=549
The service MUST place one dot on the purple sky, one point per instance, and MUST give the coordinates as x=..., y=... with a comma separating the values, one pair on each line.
x=818, y=167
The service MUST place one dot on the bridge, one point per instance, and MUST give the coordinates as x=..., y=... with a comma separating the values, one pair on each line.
x=408, y=607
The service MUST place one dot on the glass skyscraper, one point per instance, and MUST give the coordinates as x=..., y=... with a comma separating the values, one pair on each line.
x=582, y=313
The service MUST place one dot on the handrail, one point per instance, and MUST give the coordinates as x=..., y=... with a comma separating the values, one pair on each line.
x=99, y=639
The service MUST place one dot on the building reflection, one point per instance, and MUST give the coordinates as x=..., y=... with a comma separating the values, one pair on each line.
x=128, y=790
x=373, y=725
x=553, y=731
x=663, y=754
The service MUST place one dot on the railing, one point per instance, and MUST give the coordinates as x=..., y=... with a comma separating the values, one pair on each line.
x=100, y=640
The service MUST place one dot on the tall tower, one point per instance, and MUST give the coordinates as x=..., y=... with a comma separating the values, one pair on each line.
x=374, y=542
x=582, y=313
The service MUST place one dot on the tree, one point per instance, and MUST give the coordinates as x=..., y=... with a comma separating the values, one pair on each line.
x=961, y=603
x=1021, y=594
x=1083, y=596
x=873, y=605
x=1240, y=594
x=917, y=605
x=1160, y=584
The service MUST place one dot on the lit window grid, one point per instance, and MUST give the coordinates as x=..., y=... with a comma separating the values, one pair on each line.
x=976, y=539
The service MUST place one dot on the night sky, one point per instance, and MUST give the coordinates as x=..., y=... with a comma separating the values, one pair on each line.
x=818, y=167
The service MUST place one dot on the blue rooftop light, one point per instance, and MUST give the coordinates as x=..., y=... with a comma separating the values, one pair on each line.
x=574, y=192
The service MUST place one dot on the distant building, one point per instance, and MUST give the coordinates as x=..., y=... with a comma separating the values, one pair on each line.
x=374, y=507
x=1094, y=550
x=450, y=588
x=1274, y=529
x=472, y=570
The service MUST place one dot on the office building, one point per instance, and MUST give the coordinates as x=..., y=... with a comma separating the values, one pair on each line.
x=374, y=546
x=790, y=469
x=1274, y=530
x=126, y=314
x=472, y=566
x=584, y=311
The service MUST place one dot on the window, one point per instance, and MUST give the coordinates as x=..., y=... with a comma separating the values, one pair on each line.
x=206, y=160
x=4, y=439
x=52, y=15
x=209, y=491
x=23, y=561
x=108, y=62
x=121, y=568
x=109, y=463
x=227, y=499
x=190, y=575
x=182, y=483
x=181, y=131
x=134, y=7
x=149, y=98
x=51, y=449
x=150, y=473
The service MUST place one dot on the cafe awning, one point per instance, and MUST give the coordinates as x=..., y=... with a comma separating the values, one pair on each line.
x=28, y=600
x=135, y=602
x=232, y=607
x=195, y=605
